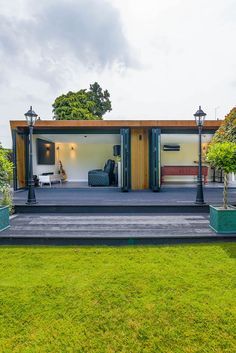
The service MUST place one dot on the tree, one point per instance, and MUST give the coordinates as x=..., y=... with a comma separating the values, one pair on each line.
x=82, y=105
x=223, y=156
x=223, y=143
x=227, y=131
x=102, y=103
x=6, y=172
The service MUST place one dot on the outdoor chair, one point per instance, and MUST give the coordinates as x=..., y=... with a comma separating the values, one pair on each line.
x=102, y=177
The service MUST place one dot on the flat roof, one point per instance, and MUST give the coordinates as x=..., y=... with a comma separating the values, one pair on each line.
x=61, y=124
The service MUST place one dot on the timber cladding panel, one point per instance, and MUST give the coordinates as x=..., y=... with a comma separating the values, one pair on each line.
x=139, y=159
x=44, y=124
x=21, y=160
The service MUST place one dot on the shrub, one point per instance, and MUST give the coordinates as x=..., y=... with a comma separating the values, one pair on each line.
x=6, y=172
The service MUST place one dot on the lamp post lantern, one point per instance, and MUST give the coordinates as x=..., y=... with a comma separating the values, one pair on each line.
x=199, y=118
x=31, y=118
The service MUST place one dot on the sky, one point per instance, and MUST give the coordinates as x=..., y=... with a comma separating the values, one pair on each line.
x=159, y=59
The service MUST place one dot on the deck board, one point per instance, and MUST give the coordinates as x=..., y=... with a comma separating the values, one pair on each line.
x=177, y=196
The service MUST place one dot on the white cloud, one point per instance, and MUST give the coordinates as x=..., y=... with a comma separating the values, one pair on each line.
x=159, y=59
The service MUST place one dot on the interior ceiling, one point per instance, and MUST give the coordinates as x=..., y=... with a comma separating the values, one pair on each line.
x=113, y=139
x=184, y=138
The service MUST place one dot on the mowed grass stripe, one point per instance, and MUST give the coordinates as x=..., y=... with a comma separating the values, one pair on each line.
x=137, y=299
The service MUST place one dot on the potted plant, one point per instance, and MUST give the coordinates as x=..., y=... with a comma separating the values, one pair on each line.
x=6, y=205
x=223, y=156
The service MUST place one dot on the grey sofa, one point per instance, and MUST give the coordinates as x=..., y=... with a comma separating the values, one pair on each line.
x=102, y=177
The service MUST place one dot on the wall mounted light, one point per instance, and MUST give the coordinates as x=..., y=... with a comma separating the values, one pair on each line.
x=72, y=148
x=47, y=145
x=58, y=148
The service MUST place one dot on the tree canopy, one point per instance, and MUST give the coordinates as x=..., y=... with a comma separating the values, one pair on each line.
x=223, y=156
x=85, y=104
x=227, y=131
x=221, y=153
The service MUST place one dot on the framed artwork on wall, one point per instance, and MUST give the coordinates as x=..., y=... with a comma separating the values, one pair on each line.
x=45, y=152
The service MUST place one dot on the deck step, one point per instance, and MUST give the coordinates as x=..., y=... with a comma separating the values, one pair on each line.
x=112, y=229
x=111, y=209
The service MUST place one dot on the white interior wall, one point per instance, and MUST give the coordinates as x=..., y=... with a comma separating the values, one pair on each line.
x=82, y=158
x=186, y=156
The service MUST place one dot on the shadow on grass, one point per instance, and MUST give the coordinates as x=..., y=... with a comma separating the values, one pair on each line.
x=230, y=249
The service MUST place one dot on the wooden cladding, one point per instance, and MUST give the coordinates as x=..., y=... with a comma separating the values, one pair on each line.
x=139, y=159
x=62, y=124
x=20, y=161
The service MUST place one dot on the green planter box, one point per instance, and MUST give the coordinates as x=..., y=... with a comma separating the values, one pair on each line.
x=223, y=221
x=4, y=218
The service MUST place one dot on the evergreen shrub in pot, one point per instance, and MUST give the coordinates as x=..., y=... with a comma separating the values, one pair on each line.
x=223, y=156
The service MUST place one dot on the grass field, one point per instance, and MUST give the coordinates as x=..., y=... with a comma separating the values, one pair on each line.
x=107, y=300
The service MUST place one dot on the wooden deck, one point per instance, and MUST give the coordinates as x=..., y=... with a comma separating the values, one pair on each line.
x=106, y=216
x=169, y=196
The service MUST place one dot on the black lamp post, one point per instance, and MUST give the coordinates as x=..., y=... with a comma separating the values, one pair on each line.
x=31, y=118
x=199, y=118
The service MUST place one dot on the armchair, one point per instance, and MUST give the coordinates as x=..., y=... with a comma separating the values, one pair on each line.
x=102, y=177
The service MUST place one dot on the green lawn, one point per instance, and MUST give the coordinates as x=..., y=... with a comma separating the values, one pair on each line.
x=172, y=299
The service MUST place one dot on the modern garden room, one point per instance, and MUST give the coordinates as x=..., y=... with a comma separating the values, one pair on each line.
x=137, y=155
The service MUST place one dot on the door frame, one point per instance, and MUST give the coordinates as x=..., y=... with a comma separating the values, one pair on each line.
x=155, y=159
x=125, y=159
